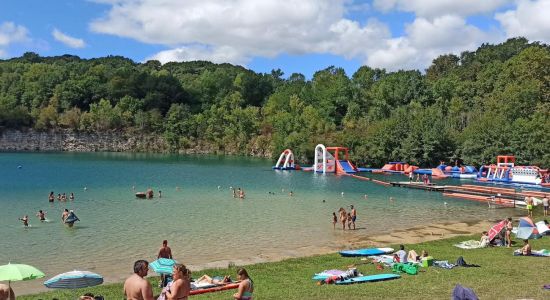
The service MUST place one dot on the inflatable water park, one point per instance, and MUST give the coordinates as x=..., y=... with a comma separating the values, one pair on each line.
x=336, y=160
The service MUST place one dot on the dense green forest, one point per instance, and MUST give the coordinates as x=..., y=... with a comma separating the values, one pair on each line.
x=495, y=100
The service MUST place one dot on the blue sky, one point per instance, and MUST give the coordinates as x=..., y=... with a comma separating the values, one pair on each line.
x=300, y=36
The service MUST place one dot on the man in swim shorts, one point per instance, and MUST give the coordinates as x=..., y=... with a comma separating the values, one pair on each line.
x=136, y=287
x=164, y=252
x=41, y=215
x=353, y=216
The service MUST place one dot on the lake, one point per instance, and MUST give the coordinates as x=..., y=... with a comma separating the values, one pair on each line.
x=197, y=214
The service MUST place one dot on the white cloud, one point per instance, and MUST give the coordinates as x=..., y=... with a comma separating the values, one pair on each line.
x=236, y=31
x=436, y=8
x=68, y=40
x=427, y=39
x=215, y=55
x=530, y=19
x=11, y=33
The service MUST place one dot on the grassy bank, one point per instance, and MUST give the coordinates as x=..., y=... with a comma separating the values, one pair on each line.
x=501, y=276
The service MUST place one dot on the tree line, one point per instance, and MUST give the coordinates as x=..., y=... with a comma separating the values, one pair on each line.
x=466, y=109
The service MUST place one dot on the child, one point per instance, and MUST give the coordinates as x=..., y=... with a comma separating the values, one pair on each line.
x=25, y=220
x=484, y=242
x=349, y=221
x=334, y=220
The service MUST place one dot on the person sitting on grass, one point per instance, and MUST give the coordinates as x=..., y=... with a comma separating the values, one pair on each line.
x=207, y=279
x=246, y=287
x=484, y=241
x=526, y=249
x=87, y=296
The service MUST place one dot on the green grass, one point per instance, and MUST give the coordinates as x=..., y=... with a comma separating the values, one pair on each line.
x=501, y=276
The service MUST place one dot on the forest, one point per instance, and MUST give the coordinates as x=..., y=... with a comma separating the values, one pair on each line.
x=461, y=109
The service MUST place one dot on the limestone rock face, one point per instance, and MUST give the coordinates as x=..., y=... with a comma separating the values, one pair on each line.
x=31, y=140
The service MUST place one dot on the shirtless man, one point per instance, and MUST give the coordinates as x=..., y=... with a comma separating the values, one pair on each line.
x=42, y=215
x=136, y=287
x=165, y=251
x=353, y=216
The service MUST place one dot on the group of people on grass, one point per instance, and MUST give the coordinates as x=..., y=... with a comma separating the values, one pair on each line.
x=345, y=217
x=136, y=287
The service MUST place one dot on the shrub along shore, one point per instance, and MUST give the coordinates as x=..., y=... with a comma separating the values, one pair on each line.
x=501, y=276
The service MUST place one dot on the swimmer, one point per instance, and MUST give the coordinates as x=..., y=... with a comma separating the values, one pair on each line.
x=41, y=215
x=445, y=203
x=160, y=194
x=25, y=220
x=71, y=197
x=324, y=201
x=85, y=188
x=342, y=193
x=365, y=196
x=291, y=193
x=133, y=187
x=51, y=197
x=219, y=187
x=391, y=199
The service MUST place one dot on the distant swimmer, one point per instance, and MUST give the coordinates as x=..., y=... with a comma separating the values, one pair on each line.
x=241, y=193
x=342, y=193
x=219, y=187
x=391, y=199
x=324, y=201
x=41, y=215
x=291, y=194
x=160, y=194
x=85, y=188
x=71, y=197
x=234, y=193
x=25, y=220
x=51, y=197
x=365, y=196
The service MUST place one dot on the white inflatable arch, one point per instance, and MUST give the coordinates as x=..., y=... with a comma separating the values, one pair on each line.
x=286, y=160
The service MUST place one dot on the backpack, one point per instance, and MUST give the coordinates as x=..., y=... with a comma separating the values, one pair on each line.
x=462, y=263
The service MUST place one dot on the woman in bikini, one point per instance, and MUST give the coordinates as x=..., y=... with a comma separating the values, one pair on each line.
x=246, y=287
x=181, y=286
x=508, y=235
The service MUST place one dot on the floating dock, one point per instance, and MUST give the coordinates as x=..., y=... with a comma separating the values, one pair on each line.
x=492, y=195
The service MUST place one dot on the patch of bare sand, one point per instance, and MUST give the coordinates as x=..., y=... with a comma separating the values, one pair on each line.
x=424, y=233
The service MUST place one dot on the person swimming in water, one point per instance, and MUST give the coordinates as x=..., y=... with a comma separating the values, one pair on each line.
x=25, y=220
x=41, y=215
x=51, y=197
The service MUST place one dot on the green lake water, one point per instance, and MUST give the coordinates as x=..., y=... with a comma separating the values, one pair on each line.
x=204, y=224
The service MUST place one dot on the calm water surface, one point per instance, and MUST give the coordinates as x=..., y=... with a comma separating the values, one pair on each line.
x=204, y=224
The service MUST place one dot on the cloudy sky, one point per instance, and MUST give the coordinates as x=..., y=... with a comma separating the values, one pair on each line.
x=294, y=35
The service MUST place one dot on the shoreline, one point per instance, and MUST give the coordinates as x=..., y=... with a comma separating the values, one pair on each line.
x=412, y=235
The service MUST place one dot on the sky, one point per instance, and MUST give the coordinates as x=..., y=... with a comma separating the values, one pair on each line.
x=296, y=36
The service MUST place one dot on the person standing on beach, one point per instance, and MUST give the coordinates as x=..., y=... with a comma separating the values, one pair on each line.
x=343, y=217
x=545, y=205
x=164, y=252
x=136, y=287
x=529, y=203
x=508, y=233
x=6, y=292
x=334, y=220
x=353, y=214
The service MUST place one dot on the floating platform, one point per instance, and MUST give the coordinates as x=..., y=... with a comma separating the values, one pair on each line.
x=419, y=186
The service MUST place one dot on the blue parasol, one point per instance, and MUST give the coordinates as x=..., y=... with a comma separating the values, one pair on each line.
x=74, y=280
x=163, y=265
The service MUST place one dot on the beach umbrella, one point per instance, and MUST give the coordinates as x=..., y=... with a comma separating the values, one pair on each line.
x=527, y=229
x=74, y=280
x=496, y=229
x=163, y=265
x=18, y=272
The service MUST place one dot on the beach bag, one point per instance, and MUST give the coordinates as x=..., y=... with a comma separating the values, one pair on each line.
x=463, y=293
x=410, y=269
x=397, y=268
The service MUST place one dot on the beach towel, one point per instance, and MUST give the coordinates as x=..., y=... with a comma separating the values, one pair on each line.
x=471, y=244
x=443, y=264
x=409, y=268
x=463, y=293
x=537, y=253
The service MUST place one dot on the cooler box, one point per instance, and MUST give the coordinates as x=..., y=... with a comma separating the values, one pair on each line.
x=427, y=261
